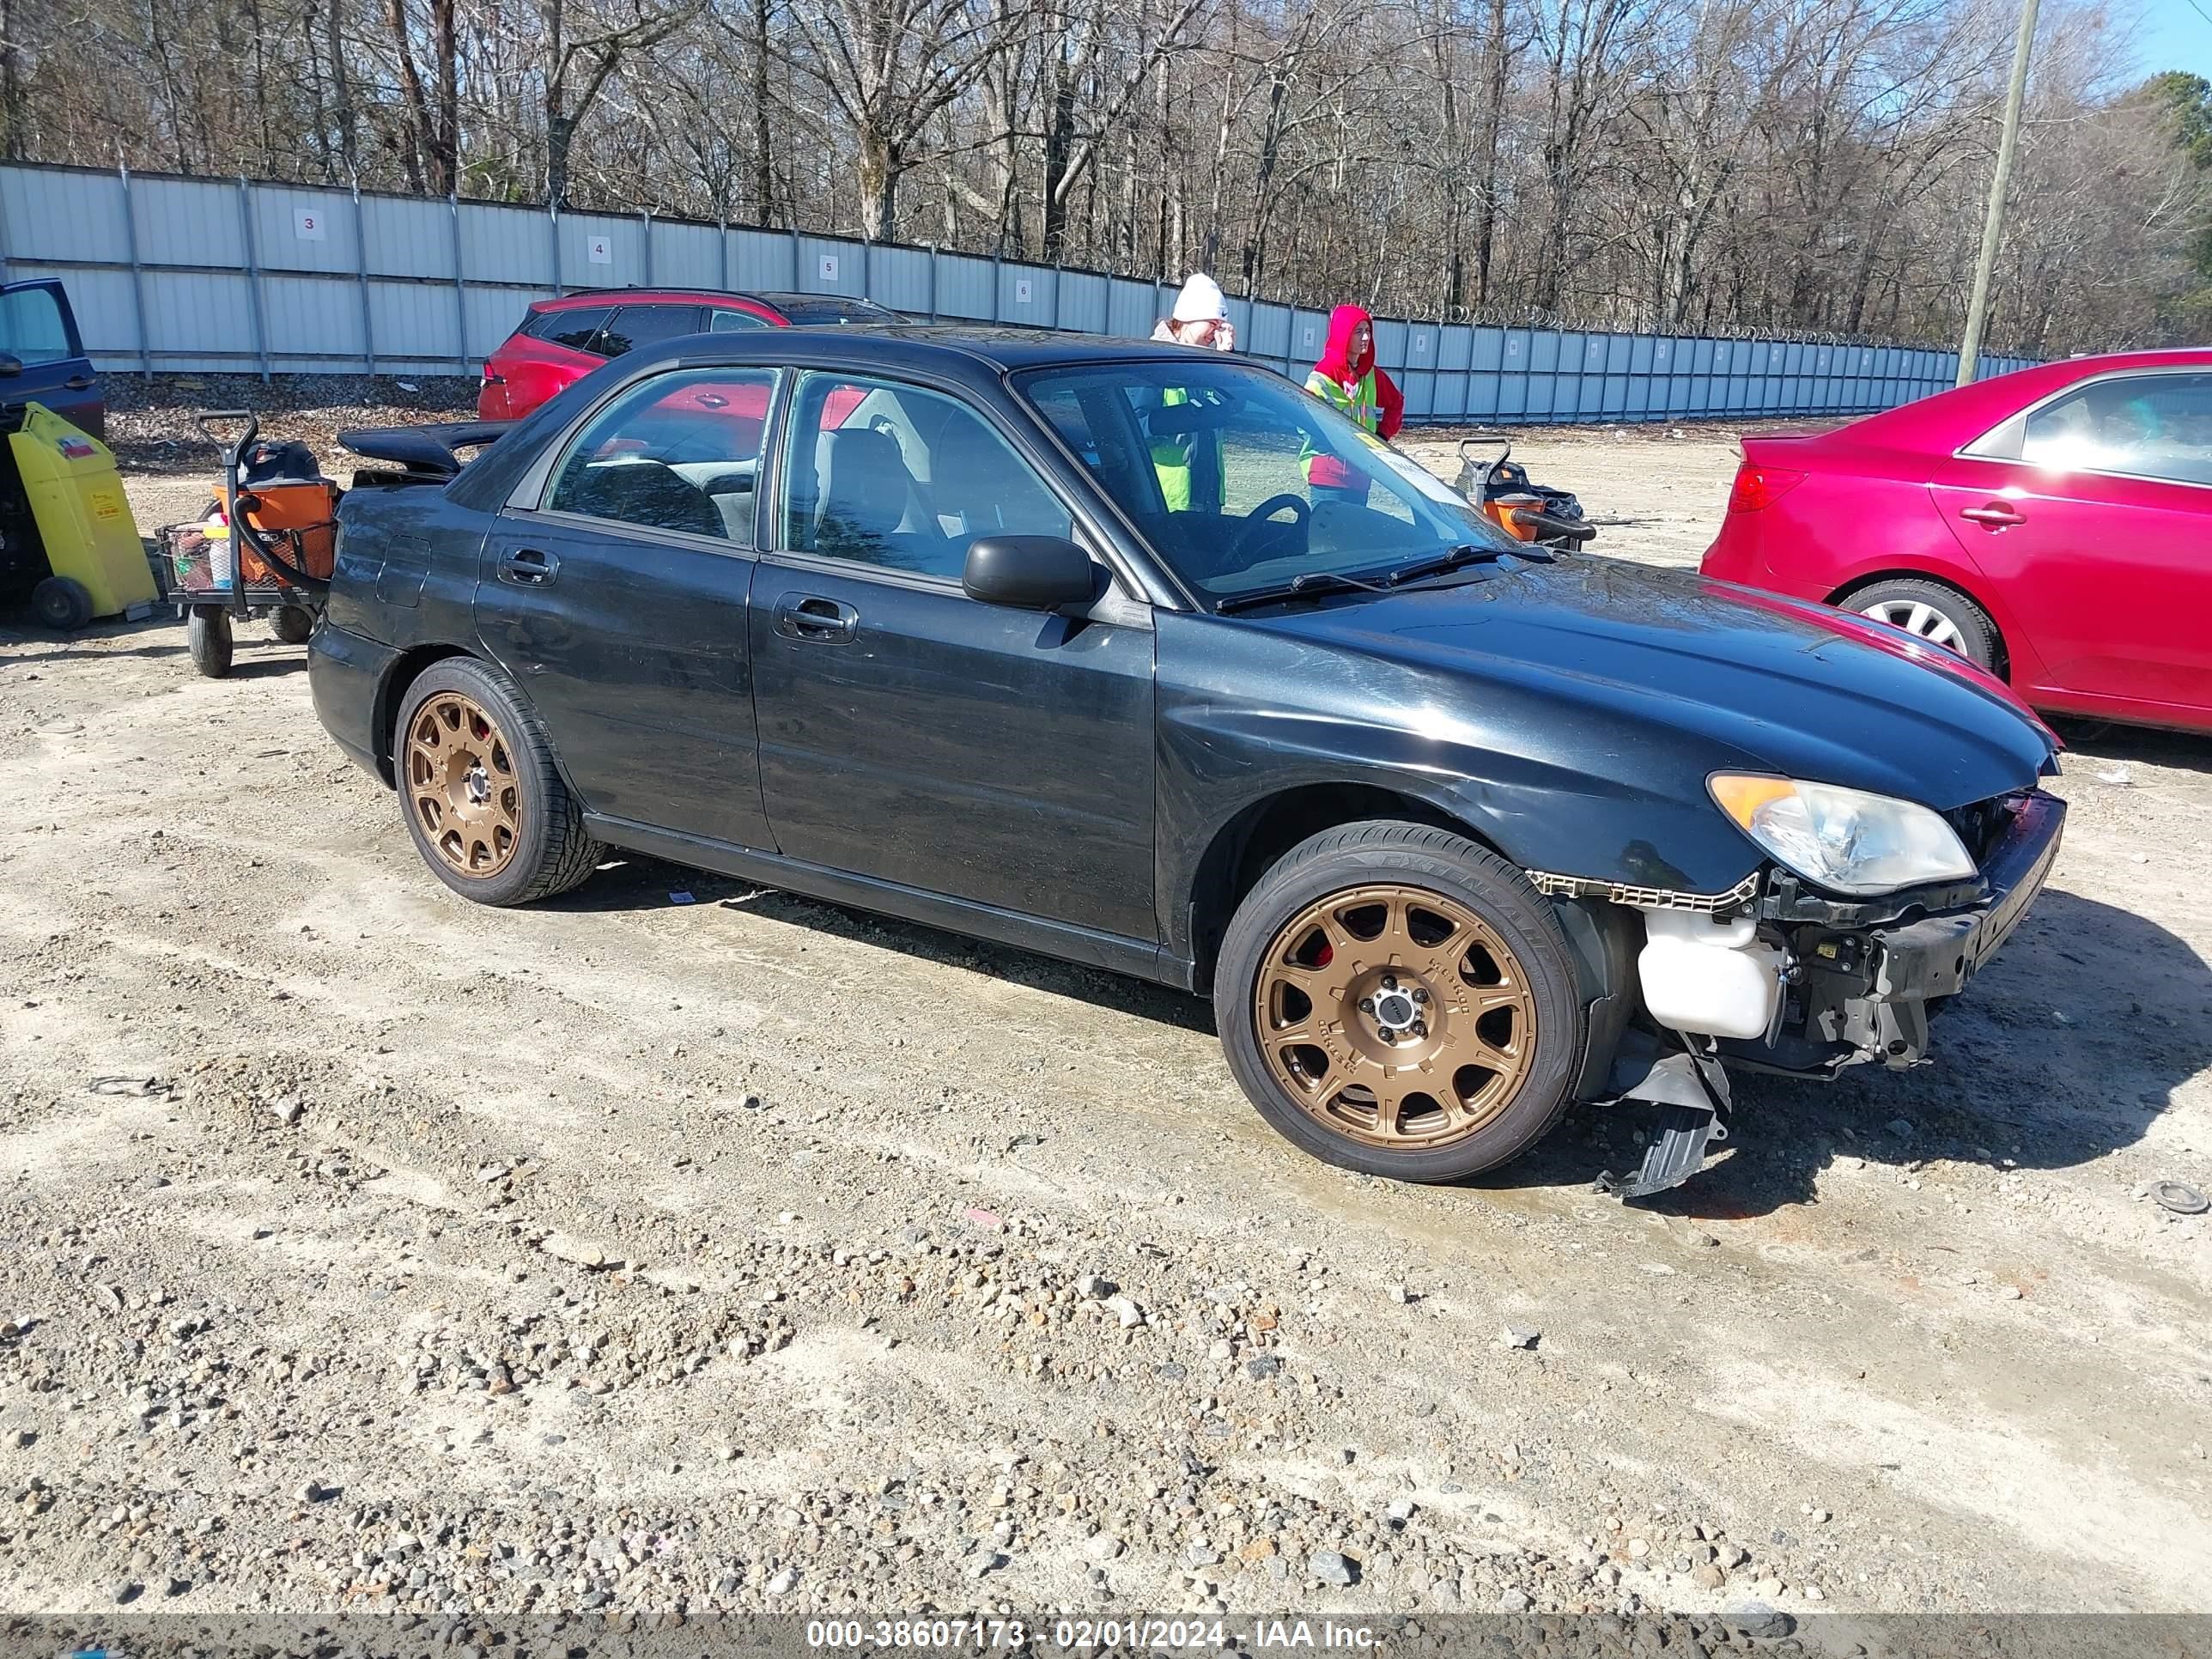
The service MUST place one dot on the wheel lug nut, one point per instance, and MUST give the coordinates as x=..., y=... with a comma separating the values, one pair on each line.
x=1420, y=996
x=1420, y=1028
x=1390, y=982
x=1367, y=1005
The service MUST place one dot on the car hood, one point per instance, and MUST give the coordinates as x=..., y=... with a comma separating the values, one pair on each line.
x=1771, y=684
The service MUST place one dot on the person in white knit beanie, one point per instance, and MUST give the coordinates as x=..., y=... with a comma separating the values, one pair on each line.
x=1200, y=317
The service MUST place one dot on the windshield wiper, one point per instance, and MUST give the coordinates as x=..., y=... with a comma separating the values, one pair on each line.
x=1312, y=585
x=1467, y=553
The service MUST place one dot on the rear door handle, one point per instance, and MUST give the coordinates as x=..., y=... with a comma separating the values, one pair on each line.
x=823, y=621
x=526, y=567
x=1995, y=516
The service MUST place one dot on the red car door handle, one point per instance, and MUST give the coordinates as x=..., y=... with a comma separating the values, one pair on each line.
x=1995, y=516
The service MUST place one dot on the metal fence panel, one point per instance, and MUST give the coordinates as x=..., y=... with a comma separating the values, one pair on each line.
x=61, y=215
x=186, y=221
x=224, y=273
x=508, y=244
x=1134, y=308
x=685, y=255
x=298, y=229
x=899, y=278
x=407, y=239
x=200, y=319
x=306, y=330
x=965, y=286
x=417, y=325
x=1270, y=336
x=762, y=260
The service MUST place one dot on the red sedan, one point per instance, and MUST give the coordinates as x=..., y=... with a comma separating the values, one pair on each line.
x=2054, y=525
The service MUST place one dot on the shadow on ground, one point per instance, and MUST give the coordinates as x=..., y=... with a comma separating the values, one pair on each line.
x=634, y=883
x=2097, y=746
x=2063, y=1049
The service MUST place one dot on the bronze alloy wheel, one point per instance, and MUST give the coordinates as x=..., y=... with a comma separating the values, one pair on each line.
x=461, y=785
x=1394, y=1017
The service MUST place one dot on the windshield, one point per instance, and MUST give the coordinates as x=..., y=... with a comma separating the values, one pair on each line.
x=1244, y=483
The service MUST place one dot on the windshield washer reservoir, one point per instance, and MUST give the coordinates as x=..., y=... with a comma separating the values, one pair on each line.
x=1712, y=976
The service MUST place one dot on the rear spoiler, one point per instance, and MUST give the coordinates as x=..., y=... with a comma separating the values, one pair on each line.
x=423, y=452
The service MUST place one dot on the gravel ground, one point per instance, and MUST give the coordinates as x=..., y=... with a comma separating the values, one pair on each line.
x=366, y=1249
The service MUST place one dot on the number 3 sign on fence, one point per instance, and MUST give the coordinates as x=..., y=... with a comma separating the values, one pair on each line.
x=307, y=224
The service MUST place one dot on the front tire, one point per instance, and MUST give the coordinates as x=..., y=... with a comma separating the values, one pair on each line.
x=1932, y=610
x=483, y=802
x=292, y=624
x=208, y=637
x=1395, y=1000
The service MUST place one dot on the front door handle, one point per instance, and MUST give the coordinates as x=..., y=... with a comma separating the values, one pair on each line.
x=78, y=382
x=822, y=621
x=526, y=567
x=1995, y=516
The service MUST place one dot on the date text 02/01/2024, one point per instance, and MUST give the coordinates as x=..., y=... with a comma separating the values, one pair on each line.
x=1091, y=1634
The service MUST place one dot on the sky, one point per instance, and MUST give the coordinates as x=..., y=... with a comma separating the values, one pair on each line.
x=2175, y=34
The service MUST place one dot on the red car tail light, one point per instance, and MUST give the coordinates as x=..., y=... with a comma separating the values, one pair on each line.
x=1758, y=487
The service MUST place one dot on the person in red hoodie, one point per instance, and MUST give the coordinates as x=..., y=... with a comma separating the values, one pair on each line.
x=1347, y=381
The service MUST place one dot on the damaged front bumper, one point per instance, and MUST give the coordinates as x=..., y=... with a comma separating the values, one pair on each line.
x=1864, y=981
x=1866, y=977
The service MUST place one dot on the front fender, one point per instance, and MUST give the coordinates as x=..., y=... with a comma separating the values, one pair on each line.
x=1542, y=812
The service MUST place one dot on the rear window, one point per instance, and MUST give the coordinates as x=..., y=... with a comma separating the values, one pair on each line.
x=576, y=327
x=636, y=325
x=813, y=310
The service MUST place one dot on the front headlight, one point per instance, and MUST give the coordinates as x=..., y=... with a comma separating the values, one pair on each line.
x=1845, y=840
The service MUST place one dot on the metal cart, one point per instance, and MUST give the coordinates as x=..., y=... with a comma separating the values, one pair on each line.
x=251, y=570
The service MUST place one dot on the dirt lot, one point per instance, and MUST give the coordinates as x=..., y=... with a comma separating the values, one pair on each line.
x=365, y=1249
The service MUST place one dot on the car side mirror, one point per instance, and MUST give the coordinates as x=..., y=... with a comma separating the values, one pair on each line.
x=1030, y=573
x=11, y=365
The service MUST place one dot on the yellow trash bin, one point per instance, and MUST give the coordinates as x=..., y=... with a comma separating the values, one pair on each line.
x=76, y=499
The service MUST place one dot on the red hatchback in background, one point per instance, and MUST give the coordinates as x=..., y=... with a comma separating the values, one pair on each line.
x=2053, y=524
x=561, y=341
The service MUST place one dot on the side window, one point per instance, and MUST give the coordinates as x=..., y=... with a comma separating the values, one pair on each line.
x=30, y=327
x=636, y=325
x=727, y=319
x=2153, y=425
x=895, y=475
x=678, y=452
x=578, y=330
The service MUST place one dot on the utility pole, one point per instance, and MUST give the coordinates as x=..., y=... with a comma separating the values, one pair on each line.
x=1978, y=307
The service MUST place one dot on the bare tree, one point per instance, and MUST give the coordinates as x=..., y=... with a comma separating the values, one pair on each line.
x=579, y=49
x=1812, y=165
x=890, y=66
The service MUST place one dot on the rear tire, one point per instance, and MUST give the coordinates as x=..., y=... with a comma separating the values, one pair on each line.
x=292, y=624
x=62, y=603
x=483, y=800
x=1437, y=988
x=1931, y=610
x=207, y=635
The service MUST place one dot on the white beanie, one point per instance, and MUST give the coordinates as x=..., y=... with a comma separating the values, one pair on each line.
x=1200, y=301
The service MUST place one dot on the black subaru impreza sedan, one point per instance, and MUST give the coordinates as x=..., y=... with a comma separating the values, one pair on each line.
x=1141, y=657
